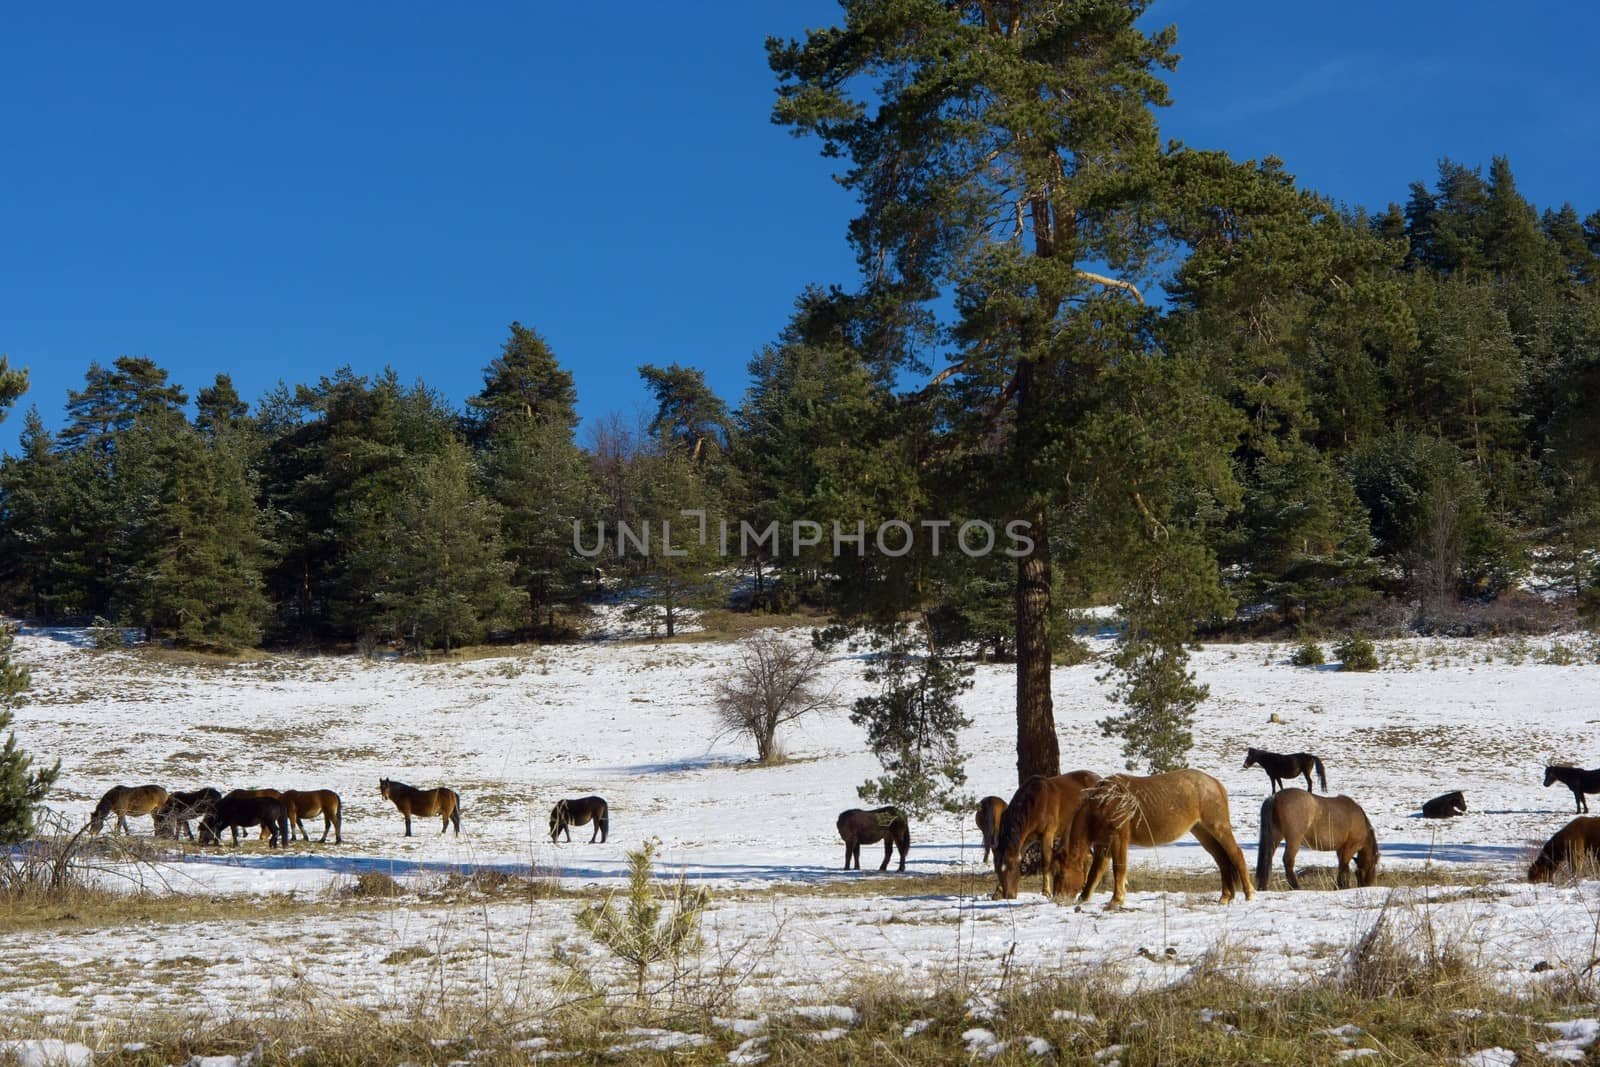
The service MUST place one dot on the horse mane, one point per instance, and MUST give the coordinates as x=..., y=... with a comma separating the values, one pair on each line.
x=1018, y=814
x=1113, y=797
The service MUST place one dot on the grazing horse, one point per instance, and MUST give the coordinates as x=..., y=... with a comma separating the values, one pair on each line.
x=1576, y=779
x=569, y=813
x=1447, y=806
x=1125, y=809
x=1279, y=767
x=126, y=800
x=990, y=809
x=308, y=804
x=1574, y=845
x=247, y=807
x=858, y=827
x=1326, y=824
x=1041, y=809
x=183, y=807
x=410, y=800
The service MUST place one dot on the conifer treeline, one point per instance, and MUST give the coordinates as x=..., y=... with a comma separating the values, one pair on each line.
x=1412, y=398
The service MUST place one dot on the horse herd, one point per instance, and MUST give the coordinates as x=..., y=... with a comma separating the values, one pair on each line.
x=279, y=812
x=1068, y=827
x=1079, y=822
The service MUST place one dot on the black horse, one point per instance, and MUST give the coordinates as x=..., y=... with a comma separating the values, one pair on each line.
x=569, y=813
x=173, y=817
x=1279, y=767
x=1447, y=806
x=243, y=808
x=1576, y=779
x=858, y=827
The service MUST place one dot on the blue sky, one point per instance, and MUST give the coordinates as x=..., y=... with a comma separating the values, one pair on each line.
x=276, y=191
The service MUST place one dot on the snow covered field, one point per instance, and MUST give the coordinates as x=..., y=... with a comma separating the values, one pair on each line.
x=629, y=721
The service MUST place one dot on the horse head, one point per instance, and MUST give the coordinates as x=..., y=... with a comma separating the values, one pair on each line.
x=384, y=787
x=1249, y=758
x=1550, y=775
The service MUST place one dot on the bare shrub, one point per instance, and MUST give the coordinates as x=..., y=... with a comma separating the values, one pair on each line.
x=771, y=684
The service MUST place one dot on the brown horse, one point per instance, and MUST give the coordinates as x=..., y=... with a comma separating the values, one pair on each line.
x=126, y=800
x=1041, y=808
x=410, y=800
x=989, y=811
x=886, y=824
x=1326, y=824
x=183, y=807
x=1125, y=809
x=1574, y=845
x=578, y=812
x=308, y=804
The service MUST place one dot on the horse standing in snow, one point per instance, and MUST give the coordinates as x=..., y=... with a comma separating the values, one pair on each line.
x=126, y=800
x=409, y=801
x=1575, y=845
x=570, y=813
x=1326, y=824
x=1576, y=779
x=1040, y=810
x=1279, y=767
x=858, y=827
x=990, y=810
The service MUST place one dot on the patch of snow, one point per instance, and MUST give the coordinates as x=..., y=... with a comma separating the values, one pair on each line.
x=915, y=1027
x=831, y=1034
x=46, y=1052
x=1489, y=1057
x=1576, y=1037
x=828, y=1013
x=1038, y=1046
x=749, y=1052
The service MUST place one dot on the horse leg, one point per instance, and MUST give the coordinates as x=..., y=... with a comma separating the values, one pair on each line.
x=1119, y=870
x=1096, y=873
x=1291, y=849
x=888, y=851
x=1307, y=772
x=1345, y=855
x=408, y=824
x=596, y=835
x=1219, y=856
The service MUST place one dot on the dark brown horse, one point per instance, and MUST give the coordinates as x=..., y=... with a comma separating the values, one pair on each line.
x=183, y=807
x=858, y=827
x=578, y=812
x=1446, y=806
x=1575, y=845
x=1327, y=824
x=126, y=800
x=990, y=809
x=246, y=807
x=1125, y=809
x=1040, y=810
x=1279, y=767
x=308, y=804
x=1576, y=779
x=410, y=800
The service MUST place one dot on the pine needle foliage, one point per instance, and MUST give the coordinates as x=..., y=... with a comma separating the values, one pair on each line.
x=22, y=788
x=652, y=925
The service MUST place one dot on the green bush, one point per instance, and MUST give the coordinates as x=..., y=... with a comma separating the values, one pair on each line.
x=1356, y=653
x=1308, y=654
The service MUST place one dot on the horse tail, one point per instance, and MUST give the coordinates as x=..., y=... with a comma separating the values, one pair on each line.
x=1321, y=775
x=1268, y=844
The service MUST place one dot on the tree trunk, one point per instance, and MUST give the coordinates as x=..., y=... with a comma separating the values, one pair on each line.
x=1038, y=752
x=1037, y=749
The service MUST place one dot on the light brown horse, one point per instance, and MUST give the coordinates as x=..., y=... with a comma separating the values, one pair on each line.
x=989, y=811
x=1040, y=808
x=1575, y=845
x=410, y=800
x=308, y=804
x=1295, y=817
x=126, y=800
x=1125, y=809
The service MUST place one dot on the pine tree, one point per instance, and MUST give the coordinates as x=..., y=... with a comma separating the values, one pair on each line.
x=13, y=383
x=1001, y=162
x=447, y=581
x=22, y=787
x=688, y=413
x=31, y=514
x=525, y=381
